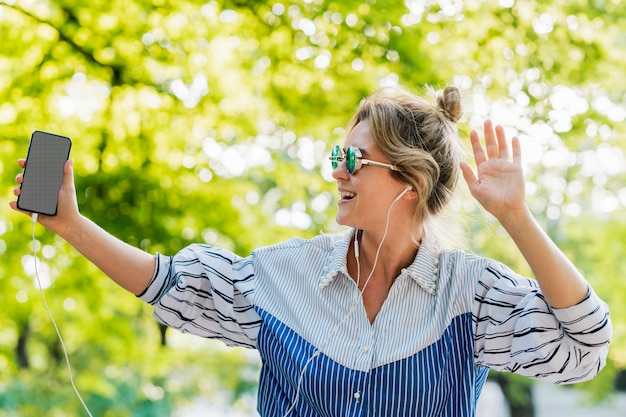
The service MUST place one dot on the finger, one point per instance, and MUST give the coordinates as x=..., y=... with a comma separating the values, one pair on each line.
x=491, y=145
x=17, y=191
x=517, y=150
x=468, y=175
x=13, y=205
x=479, y=153
x=21, y=162
x=502, y=145
x=68, y=170
x=19, y=178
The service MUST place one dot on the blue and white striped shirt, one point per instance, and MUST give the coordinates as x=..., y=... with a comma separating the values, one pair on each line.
x=448, y=318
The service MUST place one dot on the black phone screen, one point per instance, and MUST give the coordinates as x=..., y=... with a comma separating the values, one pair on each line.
x=43, y=173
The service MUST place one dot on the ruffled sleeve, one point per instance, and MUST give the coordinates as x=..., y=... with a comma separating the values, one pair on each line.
x=517, y=331
x=206, y=291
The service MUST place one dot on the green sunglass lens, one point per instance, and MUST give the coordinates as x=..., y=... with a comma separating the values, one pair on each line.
x=351, y=160
x=335, y=156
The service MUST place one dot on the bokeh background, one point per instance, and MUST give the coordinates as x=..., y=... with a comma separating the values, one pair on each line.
x=196, y=121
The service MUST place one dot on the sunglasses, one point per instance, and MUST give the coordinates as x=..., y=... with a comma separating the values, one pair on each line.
x=354, y=160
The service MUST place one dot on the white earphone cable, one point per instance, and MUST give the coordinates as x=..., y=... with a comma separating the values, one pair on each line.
x=380, y=245
x=353, y=306
x=56, y=328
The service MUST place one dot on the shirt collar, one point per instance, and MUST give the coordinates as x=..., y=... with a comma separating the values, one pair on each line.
x=424, y=269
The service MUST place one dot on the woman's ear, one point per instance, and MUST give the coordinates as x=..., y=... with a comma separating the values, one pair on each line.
x=409, y=192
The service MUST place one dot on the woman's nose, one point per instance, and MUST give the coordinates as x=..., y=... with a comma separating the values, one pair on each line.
x=341, y=171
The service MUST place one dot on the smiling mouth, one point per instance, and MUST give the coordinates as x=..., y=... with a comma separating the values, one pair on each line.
x=345, y=195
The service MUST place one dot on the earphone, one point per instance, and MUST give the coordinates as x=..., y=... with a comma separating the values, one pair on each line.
x=406, y=190
x=356, y=233
x=334, y=330
x=33, y=218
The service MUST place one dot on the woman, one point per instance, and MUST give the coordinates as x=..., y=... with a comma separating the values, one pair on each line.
x=381, y=320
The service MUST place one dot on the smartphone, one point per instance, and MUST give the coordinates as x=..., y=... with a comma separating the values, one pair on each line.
x=43, y=173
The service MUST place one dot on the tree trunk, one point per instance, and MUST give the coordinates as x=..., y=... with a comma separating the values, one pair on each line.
x=518, y=394
x=20, y=348
x=163, y=332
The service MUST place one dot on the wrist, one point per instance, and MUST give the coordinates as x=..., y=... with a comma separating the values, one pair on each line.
x=517, y=221
x=67, y=228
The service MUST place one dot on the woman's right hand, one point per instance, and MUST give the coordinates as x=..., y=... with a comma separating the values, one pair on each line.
x=129, y=266
x=67, y=209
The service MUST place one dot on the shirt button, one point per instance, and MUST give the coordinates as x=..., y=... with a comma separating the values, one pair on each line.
x=365, y=349
x=357, y=396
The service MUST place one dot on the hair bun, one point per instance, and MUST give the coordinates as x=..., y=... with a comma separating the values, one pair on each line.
x=449, y=103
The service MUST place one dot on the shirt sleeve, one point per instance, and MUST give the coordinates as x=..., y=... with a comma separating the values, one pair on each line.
x=517, y=331
x=206, y=291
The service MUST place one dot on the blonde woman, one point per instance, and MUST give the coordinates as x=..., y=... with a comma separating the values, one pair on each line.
x=383, y=319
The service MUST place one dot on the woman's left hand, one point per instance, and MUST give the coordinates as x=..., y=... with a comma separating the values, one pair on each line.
x=499, y=183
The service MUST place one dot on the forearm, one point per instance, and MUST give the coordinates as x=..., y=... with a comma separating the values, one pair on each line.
x=128, y=266
x=561, y=283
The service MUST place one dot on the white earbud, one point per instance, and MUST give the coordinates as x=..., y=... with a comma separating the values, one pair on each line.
x=406, y=190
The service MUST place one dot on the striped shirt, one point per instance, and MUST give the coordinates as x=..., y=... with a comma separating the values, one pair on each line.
x=448, y=318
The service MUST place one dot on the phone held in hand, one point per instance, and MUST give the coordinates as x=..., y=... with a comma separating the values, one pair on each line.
x=43, y=173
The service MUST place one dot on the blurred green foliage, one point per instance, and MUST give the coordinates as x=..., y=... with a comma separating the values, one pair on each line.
x=199, y=121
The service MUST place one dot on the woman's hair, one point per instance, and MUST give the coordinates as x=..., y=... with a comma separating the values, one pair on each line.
x=421, y=138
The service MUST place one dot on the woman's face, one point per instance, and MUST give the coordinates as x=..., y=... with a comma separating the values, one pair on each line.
x=365, y=197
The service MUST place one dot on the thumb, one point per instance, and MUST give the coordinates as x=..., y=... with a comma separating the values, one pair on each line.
x=68, y=171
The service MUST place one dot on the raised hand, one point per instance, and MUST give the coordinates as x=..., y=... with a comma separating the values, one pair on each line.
x=129, y=266
x=499, y=183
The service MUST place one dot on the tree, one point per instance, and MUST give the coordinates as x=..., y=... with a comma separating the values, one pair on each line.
x=199, y=121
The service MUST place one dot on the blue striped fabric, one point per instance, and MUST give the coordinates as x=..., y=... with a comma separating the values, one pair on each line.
x=448, y=318
x=437, y=381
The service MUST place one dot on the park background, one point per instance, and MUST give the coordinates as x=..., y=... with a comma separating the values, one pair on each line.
x=211, y=121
